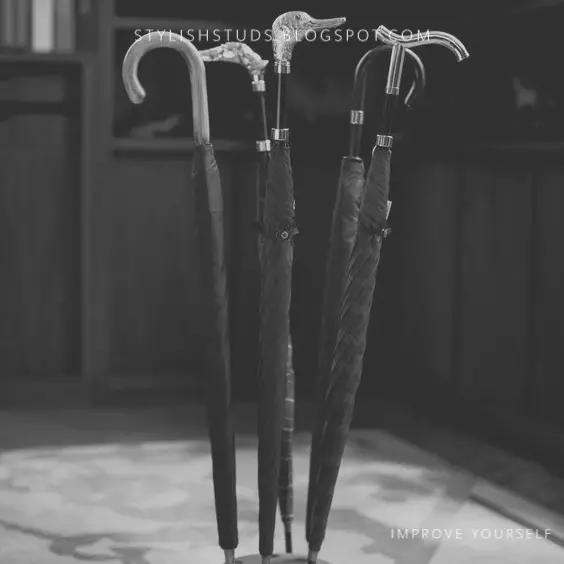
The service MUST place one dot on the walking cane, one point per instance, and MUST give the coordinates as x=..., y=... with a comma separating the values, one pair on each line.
x=209, y=215
x=350, y=190
x=242, y=54
x=276, y=271
x=335, y=413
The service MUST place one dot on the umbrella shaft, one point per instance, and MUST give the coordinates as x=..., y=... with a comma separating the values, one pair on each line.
x=390, y=105
x=262, y=130
x=281, y=109
x=262, y=164
x=355, y=139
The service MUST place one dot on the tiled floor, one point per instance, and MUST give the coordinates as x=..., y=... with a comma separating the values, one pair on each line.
x=134, y=487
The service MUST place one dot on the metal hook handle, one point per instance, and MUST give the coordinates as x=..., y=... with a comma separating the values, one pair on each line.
x=361, y=72
x=359, y=92
x=191, y=55
x=240, y=54
x=399, y=44
x=289, y=29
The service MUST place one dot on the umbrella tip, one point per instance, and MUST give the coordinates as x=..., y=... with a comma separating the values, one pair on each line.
x=266, y=559
x=312, y=557
x=229, y=556
x=288, y=538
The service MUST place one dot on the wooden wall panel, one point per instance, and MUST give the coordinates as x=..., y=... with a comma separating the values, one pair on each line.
x=428, y=230
x=39, y=239
x=146, y=234
x=512, y=247
x=548, y=372
x=475, y=296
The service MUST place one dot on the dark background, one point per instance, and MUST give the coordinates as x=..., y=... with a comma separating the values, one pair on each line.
x=99, y=291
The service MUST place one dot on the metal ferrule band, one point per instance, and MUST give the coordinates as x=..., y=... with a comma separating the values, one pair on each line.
x=384, y=141
x=280, y=134
x=258, y=86
x=392, y=90
x=282, y=67
x=357, y=117
x=263, y=146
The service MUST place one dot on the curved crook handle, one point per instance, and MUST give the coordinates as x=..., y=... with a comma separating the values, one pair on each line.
x=289, y=29
x=240, y=54
x=191, y=55
x=361, y=72
x=359, y=92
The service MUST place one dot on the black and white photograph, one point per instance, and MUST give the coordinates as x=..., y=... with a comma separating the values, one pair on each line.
x=281, y=283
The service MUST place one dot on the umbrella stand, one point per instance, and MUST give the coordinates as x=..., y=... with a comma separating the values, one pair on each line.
x=276, y=273
x=209, y=215
x=346, y=366
x=343, y=234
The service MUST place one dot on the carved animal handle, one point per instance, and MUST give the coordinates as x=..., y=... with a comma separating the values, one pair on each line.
x=240, y=54
x=290, y=28
x=196, y=67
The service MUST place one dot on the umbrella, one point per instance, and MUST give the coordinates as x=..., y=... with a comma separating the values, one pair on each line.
x=350, y=190
x=239, y=53
x=209, y=204
x=276, y=272
x=337, y=404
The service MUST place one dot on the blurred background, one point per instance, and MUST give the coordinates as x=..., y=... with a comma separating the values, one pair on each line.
x=99, y=284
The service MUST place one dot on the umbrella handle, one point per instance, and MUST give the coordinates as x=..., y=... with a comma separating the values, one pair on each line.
x=399, y=45
x=359, y=92
x=288, y=30
x=240, y=54
x=361, y=72
x=191, y=55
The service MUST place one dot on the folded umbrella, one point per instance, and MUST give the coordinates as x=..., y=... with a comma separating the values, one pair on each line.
x=350, y=190
x=242, y=54
x=276, y=273
x=337, y=405
x=209, y=216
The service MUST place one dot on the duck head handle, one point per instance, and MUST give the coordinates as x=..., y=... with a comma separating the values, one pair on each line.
x=289, y=29
x=196, y=68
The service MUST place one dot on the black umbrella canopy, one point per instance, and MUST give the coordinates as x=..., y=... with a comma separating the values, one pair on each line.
x=350, y=191
x=242, y=54
x=209, y=214
x=337, y=396
x=276, y=279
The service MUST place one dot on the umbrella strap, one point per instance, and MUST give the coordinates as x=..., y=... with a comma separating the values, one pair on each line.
x=288, y=230
x=381, y=232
